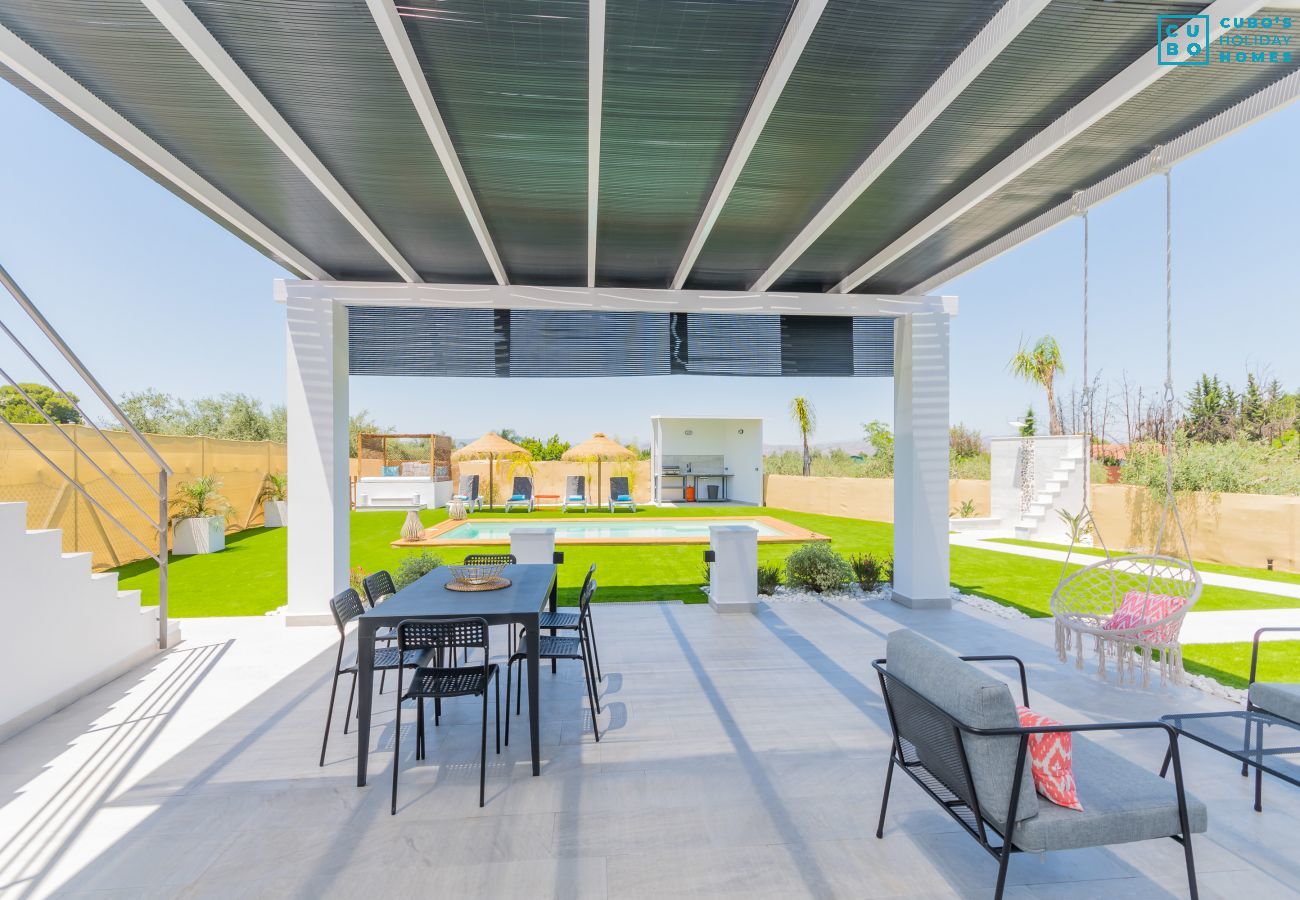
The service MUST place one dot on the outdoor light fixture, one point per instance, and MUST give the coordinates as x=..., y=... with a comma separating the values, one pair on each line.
x=689, y=432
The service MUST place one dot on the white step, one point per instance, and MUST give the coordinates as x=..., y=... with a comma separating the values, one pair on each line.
x=13, y=519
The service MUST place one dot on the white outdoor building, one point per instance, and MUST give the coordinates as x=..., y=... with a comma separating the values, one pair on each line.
x=717, y=458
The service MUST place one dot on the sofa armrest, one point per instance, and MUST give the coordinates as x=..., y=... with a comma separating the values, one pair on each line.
x=1254, y=649
x=1024, y=681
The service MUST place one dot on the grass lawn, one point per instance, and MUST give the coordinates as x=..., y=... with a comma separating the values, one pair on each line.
x=1243, y=571
x=248, y=577
x=1230, y=663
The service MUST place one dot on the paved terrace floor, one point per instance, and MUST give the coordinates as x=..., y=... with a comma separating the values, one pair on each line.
x=743, y=756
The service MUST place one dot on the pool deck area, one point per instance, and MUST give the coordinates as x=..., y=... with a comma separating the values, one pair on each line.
x=443, y=534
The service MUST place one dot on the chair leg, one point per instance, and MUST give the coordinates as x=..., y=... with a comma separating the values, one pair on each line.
x=595, y=653
x=509, y=663
x=1003, y=858
x=397, y=751
x=329, y=716
x=383, y=674
x=497, y=683
x=482, y=753
x=419, y=728
x=519, y=691
x=884, y=800
x=586, y=662
x=591, y=695
x=352, y=693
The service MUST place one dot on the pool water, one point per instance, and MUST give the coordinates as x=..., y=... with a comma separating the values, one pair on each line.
x=567, y=530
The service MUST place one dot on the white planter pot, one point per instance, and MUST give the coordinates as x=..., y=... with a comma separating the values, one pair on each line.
x=203, y=535
x=275, y=513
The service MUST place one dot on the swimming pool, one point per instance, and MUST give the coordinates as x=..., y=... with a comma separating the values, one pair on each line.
x=640, y=530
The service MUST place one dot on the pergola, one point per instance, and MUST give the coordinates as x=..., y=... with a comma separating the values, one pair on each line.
x=663, y=186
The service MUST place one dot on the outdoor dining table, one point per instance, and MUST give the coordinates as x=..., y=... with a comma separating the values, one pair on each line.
x=532, y=589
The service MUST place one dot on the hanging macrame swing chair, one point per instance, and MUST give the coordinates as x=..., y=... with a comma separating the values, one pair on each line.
x=1130, y=608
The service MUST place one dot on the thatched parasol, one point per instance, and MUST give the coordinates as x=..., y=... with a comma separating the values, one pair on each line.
x=597, y=449
x=491, y=446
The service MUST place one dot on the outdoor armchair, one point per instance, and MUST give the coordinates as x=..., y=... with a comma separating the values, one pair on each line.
x=575, y=492
x=521, y=494
x=1278, y=698
x=620, y=494
x=957, y=735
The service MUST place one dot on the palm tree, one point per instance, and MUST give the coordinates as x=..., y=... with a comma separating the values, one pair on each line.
x=803, y=414
x=1040, y=364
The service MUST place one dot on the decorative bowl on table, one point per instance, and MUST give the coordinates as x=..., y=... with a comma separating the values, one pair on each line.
x=478, y=573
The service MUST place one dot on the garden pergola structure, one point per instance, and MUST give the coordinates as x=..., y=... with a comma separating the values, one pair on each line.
x=630, y=187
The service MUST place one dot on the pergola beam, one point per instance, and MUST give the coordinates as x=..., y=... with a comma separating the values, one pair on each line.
x=1134, y=79
x=189, y=32
x=68, y=93
x=393, y=31
x=803, y=20
x=488, y=296
x=1272, y=98
x=595, y=102
x=993, y=38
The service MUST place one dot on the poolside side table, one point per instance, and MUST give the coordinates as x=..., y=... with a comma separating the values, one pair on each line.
x=547, y=499
x=1259, y=740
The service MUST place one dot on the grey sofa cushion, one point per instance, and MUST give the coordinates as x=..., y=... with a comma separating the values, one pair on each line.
x=1122, y=802
x=975, y=699
x=1277, y=697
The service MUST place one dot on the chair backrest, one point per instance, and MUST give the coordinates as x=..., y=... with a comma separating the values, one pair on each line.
x=575, y=486
x=346, y=606
x=584, y=599
x=924, y=680
x=469, y=486
x=587, y=578
x=429, y=634
x=618, y=487
x=488, y=559
x=378, y=586
x=523, y=486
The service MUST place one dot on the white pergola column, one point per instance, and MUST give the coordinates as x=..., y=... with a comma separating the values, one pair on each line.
x=921, y=363
x=317, y=407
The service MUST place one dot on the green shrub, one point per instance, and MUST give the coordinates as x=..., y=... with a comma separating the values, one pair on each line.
x=817, y=567
x=414, y=567
x=769, y=577
x=1233, y=467
x=870, y=571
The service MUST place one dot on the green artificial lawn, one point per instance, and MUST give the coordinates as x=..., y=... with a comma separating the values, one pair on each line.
x=248, y=577
x=1230, y=663
x=1243, y=571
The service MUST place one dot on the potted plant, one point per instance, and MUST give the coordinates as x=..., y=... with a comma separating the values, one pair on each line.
x=275, y=500
x=199, y=514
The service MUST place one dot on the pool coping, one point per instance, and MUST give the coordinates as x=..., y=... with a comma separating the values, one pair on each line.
x=436, y=536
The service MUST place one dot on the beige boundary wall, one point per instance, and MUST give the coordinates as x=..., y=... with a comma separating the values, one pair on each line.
x=240, y=466
x=858, y=498
x=1235, y=529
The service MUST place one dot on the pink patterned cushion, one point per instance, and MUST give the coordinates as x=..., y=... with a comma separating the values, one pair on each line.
x=1051, y=759
x=1132, y=614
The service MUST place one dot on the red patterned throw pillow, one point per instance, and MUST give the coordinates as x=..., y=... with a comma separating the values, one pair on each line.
x=1137, y=610
x=1051, y=759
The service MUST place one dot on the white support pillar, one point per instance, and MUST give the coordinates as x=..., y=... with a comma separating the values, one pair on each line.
x=317, y=406
x=921, y=363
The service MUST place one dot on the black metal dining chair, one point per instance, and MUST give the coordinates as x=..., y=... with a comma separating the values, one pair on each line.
x=345, y=607
x=428, y=637
x=555, y=647
x=571, y=621
x=488, y=559
x=378, y=587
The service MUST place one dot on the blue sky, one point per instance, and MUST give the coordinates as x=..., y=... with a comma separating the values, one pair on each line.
x=152, y=293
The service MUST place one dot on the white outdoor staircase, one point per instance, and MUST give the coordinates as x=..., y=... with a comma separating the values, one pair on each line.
x=1031, y=521
x=67, y=630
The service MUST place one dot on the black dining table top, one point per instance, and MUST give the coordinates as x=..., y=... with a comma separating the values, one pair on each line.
x=529, y=591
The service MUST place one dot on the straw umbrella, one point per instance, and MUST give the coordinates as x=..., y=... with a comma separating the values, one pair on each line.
x=491, y=446
x=598, y=448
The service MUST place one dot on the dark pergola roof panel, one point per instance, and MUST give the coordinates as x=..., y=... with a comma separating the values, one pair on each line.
x=1022, y=92
x=850, y=87
x=510, y=78
x=577, y=343
x=356, y=116
x=359, y=192
x=120, y=52
x=679, y=78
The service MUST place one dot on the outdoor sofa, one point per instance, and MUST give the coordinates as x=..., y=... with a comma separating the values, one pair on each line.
x=957, y=734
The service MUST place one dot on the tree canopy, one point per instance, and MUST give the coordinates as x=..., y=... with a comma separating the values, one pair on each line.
x=236, y=417
x=58, y=406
